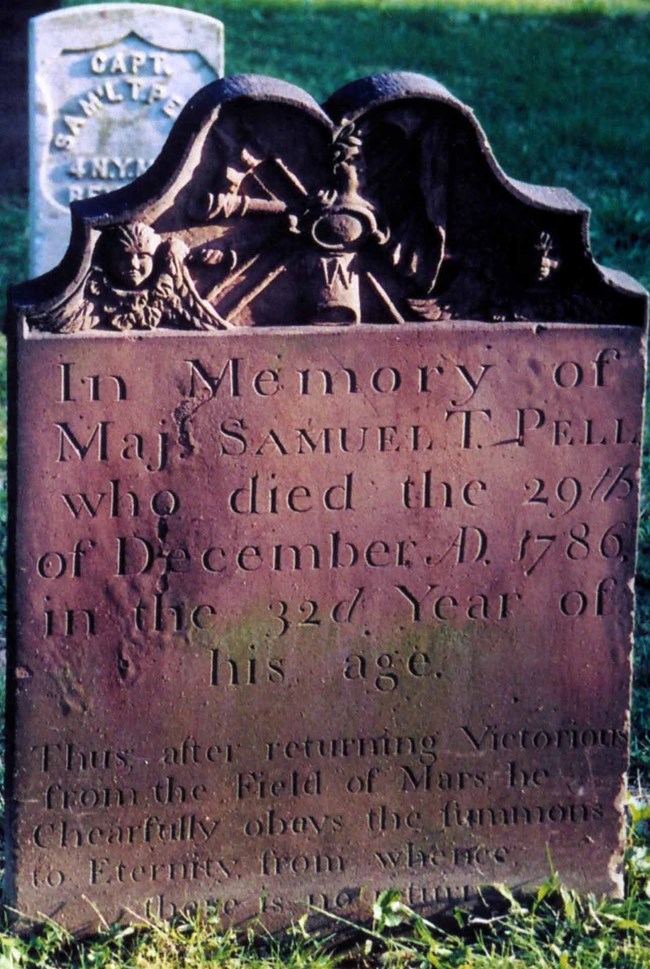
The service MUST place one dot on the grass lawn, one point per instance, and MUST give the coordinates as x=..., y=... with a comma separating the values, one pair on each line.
x=561, y=88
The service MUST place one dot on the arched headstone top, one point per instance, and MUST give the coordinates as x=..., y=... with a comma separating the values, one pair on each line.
x=384, y=207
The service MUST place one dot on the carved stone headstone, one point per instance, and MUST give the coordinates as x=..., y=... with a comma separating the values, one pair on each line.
x=107, y=83
x=14, y=19
x=326, y=451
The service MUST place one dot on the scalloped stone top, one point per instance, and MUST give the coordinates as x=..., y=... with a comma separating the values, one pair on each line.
x=385, y=206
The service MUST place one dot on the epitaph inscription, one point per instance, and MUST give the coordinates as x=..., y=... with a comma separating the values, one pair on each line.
x=417, y=582
x=108, y=82
x=306, y=612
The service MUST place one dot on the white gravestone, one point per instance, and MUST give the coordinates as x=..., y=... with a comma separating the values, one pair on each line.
x=106, y=84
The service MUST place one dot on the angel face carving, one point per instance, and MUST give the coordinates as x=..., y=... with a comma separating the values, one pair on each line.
x=130, y=251
x=137, y=281
x=389, y=213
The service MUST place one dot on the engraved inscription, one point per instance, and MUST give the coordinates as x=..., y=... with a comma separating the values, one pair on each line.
x=106, y=90
x=366, y=586
x=124, y=86
x=323, y=552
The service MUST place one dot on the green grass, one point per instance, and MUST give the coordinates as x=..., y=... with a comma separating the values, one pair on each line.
x=561, y=88
x=552, y=929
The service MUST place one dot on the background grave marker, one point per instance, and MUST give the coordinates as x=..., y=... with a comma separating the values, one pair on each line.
x=325, y=530
x=14, y=163
x=107, y=83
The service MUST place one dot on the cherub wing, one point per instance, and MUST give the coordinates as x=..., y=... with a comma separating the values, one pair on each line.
x=174, y=296
x=82, y=310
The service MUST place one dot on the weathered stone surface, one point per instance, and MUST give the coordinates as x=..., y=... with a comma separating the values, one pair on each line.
x=322, y=570
x=14, y=160
x=107, y=83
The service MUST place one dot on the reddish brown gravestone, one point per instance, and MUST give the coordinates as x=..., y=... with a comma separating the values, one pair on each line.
x=326, y=447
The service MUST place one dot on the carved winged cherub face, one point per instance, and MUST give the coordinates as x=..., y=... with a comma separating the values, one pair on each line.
x=130, y=254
